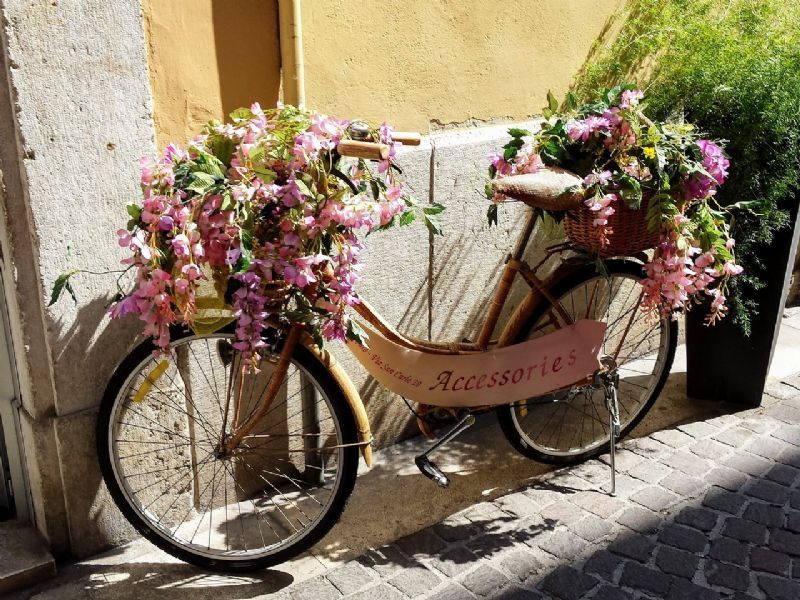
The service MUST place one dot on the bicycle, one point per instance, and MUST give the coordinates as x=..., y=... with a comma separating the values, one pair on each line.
x=236, y=472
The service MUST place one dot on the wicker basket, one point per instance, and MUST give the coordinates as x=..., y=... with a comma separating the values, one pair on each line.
x=630, y=235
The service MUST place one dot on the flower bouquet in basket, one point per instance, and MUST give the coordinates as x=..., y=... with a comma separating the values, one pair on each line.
x=632, y=184
x=257, y=221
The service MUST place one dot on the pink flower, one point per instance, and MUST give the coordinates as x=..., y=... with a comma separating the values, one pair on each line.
x=631, y=98
x=582, y=129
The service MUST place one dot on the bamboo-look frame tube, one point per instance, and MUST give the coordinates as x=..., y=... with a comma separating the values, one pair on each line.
x=407, y=138
x=275, y=383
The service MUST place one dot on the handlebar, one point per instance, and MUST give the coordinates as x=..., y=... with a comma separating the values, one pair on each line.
x=375, y=150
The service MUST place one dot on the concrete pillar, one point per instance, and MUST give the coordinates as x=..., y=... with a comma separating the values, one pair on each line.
x=75, y=116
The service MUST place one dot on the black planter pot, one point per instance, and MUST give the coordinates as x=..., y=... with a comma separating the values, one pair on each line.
x=721, y=363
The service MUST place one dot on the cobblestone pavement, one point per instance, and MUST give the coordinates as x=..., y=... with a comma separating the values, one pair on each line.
x=707, y=510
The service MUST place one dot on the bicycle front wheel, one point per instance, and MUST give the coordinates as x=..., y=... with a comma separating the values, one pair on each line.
x=278, y=493
x=572, y=425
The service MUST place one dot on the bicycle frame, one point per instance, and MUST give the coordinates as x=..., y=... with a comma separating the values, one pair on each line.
x=515, y=265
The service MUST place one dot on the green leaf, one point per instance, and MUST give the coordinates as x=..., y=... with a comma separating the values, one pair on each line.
x=516, y=132
x=223, y=147
x=355, y=333
x=433, y=209
x=407, y=218
x=201, y=183
x=431, y=222
x=491, y=214
x=572, y=101
x=241, y=114
x=134, y=210
x=256, y=154
x=228, y=202
x=552, y=102
x=266, y=175
x=62, y=283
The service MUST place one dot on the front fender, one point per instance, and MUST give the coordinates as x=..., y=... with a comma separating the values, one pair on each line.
x=352, y=396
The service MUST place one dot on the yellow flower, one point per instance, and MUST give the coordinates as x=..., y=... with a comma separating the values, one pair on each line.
x=649, y=152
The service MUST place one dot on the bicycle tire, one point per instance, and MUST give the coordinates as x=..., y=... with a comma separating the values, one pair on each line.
x=233, y=561
x=509, y=415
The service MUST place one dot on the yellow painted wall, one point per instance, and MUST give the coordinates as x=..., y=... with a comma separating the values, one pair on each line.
x=422, y=62
x=208, y=57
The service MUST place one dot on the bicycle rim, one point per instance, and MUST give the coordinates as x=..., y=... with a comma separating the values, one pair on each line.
x=265, y=499
x=574, y=424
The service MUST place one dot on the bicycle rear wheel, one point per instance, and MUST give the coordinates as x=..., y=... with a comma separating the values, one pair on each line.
x=572, y=425
x=274, y=497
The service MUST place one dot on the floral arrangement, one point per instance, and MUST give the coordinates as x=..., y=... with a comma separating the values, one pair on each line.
x=265, y=209
x=623, y=156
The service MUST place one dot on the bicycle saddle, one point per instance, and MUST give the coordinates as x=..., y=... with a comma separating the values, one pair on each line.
x=551, y=188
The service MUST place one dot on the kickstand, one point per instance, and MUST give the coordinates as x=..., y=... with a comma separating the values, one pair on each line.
x=610, y=383
x=428, y=468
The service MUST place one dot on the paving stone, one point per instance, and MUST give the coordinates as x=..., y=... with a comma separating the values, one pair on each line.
x=650, y=471
x=768, y=447
x=607, y=592
x=422, y=543
x=784, y=541
x=492, y=543
x=350, y=577
x=763, y=559
x=626, y=486
x=640, y=519
x=644, y=578
x=655, y=498
x=725, y=477
x=720, y=499
x=568, y=584
x=760, y=424
x=453, y=591
x=484, y=580
x=592, y=528
x=452, y=532
x=768, y=491
x=790, y=456
x=455, y=561
x=747, y=463
x=598, y=503
x=385, y=560
x=687, y=463
x=779, y=589
x=624, y=460
x=736, y=437
x=483, y=512
x=728, y=576
x=562, y=512
x=648, y=448
x=603, y=563
x=317, y=588
x=793, y=521
x=724, y=421
x=518, y=593
x=673, y=438
x=520, y=563
x=382, y=591
x=794, y=501
x=593, y=471
x=765, y=514
x=683, y=484
x=784, y=413
x=698, y=429
x=729, y=551
x=699, y=518
x=682, y=589
x=677, y=562
x=682, y=537
x=519, y=504
x=563, y=544
x=709, y=449
x=633, y=545
x=783, y=474
x=744, y=530
x=415, y=582
x=788, y=433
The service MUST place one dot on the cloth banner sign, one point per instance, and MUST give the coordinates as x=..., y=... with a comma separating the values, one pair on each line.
x=525, y=370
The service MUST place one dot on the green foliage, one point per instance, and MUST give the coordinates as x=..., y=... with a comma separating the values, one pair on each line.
x=731, y=67
x=62, y=283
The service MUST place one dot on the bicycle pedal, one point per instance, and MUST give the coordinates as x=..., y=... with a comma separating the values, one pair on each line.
x=431, y=471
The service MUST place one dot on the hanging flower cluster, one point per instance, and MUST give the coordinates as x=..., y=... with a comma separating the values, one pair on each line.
x=265, y=209
x=664, y=168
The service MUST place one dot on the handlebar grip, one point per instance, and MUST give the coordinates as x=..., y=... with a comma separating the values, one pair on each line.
x=367, y=150
x=407, y=138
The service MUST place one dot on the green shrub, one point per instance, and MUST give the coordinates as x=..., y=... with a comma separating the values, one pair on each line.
x=733, y=68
